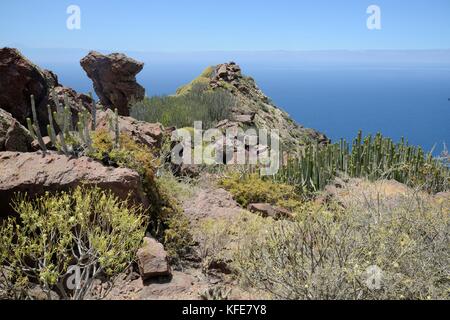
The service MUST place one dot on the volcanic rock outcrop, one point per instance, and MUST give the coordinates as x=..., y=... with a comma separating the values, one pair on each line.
x=148, y=134
x=114, y=78
x=34, y=174
x=13, y=136
x=20, y=79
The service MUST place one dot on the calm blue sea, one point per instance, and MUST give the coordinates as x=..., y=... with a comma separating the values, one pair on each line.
x=398, y=99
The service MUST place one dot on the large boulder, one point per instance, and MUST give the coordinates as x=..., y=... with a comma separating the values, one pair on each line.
x=13, y=136
x=152, y=260
x=148, y=134
x=20, y=79
x=34, y=174
x=114, y=78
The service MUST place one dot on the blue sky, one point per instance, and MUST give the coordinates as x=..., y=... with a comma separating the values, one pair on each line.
x=199, y=25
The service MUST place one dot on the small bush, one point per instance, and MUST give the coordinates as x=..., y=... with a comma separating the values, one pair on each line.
x=253, y=189
x=198, y=104
x=129, y=154
x=351, y=253
x=168, y=223
x=213, y=237
x=202, y=80
x=87, y=228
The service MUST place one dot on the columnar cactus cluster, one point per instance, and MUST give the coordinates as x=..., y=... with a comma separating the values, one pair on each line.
x=63, y=136
x=372, y=157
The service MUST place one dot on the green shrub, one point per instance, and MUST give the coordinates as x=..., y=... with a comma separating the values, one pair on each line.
x=128, y=154
x=253, y=189
x=167, y=221
x=213, y=237
x=87, y=228
x=198, y=104
x=331, y=254
x=202, y=80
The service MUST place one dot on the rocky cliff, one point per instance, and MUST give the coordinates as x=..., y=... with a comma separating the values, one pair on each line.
x=253, y=107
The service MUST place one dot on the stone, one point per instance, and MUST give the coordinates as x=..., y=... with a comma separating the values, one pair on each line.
x=13, y=136
x=152, y=260
x=221, y=71
x=47, y=141
x=20, y=79
x=148, y=134
x=114, y=78
x=244, y=118
x=380, y=194
x=36, y=292
x=181, y=286
x=267, y=210
x=35, y=174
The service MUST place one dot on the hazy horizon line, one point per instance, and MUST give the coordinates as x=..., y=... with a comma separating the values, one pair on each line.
x=18, y=46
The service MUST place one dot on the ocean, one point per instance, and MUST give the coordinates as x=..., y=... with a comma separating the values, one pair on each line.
x=397, y=96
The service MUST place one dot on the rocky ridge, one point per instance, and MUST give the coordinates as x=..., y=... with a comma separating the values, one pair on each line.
x=253, y=107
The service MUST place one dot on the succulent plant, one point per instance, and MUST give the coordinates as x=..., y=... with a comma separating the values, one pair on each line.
x=69, y=140
x=370, y=157
x=34, y=128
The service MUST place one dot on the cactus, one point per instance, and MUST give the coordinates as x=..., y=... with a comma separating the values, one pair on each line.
x=83, y=130
x=60, y=117
x=50, y=127
x=63, y=118
x=116, y=128
x=370, y=157
x=34, y=127
x=93, y=112
x=67, y=115
x=30, y=128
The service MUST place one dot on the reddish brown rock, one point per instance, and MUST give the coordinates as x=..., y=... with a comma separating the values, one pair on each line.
x=20, y=79
x=148, y=134
x=47, y=141
x=152, y=260
x=267, y=210
x=114, y=78
x=34, y=174
x=13, y=136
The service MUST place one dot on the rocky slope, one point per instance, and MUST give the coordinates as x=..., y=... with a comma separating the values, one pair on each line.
x=253, y=107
